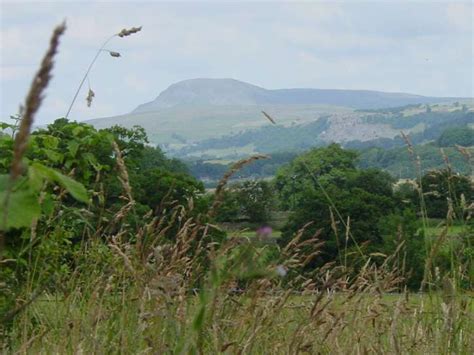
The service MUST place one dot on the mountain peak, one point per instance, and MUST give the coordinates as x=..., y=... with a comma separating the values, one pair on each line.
x=206, y=91
x=230, y=92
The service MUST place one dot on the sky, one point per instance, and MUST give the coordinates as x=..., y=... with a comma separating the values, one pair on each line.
x=423, y=47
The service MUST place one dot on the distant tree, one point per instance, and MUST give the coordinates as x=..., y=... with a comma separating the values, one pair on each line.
x=442, y=188
x=251, y=200
x=293, y=180
x=256, y=199
x=463, y=136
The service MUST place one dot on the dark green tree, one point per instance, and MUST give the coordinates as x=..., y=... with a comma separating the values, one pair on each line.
x=442, y=188
x=338, y=199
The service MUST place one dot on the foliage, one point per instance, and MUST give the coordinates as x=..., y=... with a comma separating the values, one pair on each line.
x=275, y=138
x=463, y=136
x=400, y=163
x=443, y=190
x=70, y=166
x=295, y=179
x=345, y=204
x=212, y=171
x=404, y=229
x=252, y=200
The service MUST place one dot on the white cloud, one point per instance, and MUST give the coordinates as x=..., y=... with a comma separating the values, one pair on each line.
x=16, y=72
x=378, y=45
x=460, y=15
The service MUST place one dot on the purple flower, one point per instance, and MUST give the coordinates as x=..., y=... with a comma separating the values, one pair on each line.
x=264, y=231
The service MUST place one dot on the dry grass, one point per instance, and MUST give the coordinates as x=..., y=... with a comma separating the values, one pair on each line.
x=218, y=194
x=133, y=290
x=191, y=295
x=166, y=303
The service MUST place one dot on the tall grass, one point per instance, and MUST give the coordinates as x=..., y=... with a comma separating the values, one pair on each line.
x=130, y=289
x=192, y=296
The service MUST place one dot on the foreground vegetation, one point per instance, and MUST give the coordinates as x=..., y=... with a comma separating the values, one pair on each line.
x=108, y=246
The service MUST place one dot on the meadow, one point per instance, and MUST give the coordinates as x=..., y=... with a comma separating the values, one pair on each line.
x=108, y=246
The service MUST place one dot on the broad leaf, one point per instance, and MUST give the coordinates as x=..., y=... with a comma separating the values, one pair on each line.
x=21, y=209
x=76, y=189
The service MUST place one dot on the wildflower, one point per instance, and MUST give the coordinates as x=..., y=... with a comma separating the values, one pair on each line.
x=264, y=232
x=281, y=270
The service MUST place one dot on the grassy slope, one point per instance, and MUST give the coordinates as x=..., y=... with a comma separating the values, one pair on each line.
x=197, y=123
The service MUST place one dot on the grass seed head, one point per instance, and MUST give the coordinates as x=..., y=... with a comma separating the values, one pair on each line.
x=127, y=32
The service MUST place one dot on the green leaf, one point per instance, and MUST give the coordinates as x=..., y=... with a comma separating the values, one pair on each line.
x=76, y=189
x=54, y=156
x=50, y=142
x=73, y=147
x=35, y=178
x=78, y=130
x=22, y=208
x=41, y=170
x=47, y=206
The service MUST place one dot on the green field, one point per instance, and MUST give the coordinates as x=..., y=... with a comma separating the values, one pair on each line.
x=341, y=322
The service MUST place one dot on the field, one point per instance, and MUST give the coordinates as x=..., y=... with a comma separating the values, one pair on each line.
x=149, y=320
x=435, y=228
x=109, y=246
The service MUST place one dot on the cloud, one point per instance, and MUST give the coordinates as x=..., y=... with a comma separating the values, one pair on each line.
x=460, y=16
x=16, y=72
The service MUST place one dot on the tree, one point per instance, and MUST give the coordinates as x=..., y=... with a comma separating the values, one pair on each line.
x=256, y=200
x=457, y=136
x=251, y=200
x=404, y=227
x=442, y=188
x=294, y=180
x=338, y=199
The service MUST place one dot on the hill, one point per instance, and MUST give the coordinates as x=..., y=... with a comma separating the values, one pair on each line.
x=197, y=109
x=229, y=92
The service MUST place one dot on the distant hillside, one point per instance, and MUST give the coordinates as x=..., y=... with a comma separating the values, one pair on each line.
x=355, y=130
x=194, y=110
x=228, y=92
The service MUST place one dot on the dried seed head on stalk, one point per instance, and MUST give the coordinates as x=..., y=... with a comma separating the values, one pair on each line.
x=33, y=101
x=223, y=182
x=464, y=151
x=90, y=97
x=127, y=32
x=268, y=117
x=408, y=143
x=124, y=180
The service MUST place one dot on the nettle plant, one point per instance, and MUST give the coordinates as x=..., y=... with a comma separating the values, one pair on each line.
x=26, y=176
x=47, y=170
x=50, y=171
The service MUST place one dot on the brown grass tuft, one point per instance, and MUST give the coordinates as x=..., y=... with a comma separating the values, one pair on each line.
x=34, y=99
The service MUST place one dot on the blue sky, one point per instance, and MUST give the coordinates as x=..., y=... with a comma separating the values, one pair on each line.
x=422, y=47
